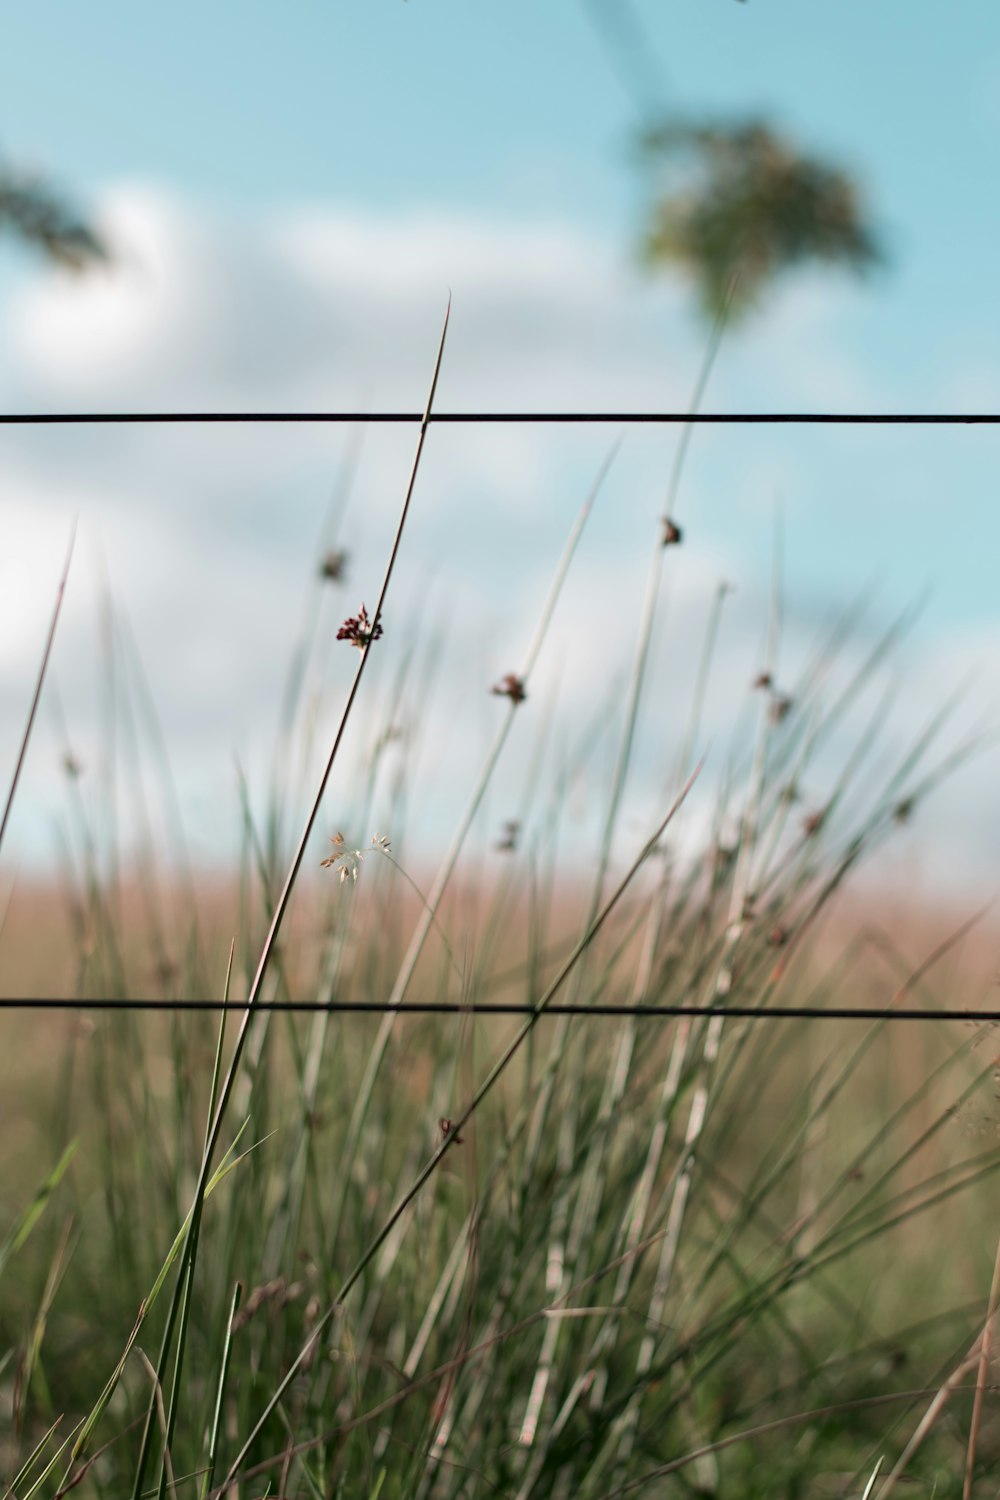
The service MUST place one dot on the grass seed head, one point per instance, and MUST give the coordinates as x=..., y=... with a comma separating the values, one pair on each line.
x=334, y=566
x=903, y=811
x=347, y=862
x=359, y=630
x=510, y=686
x=507, y=842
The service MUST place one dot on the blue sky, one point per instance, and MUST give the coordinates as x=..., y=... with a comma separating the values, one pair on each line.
x=294, y=189
x=521, y=109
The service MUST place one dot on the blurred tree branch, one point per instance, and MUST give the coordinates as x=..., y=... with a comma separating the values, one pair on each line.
x=741, y=206
x=40, y=216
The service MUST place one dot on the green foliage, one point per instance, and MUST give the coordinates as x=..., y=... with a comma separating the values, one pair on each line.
x=741, y=206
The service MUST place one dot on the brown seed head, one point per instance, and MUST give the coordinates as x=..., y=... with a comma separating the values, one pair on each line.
x=672, y=534
x=903, y=810
x=507, y=842
x=333, y=566
x=359, y=630
x=510, y=687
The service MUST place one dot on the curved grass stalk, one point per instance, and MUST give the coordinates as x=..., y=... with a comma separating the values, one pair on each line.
x=985, y=1350
x=942, y=1395
x=431, y=1377
x=757, y=1190
x=718, y=1336
x=15, y=1487
x=213, y=1440
x=492, y=1077
x=853, y=1229
x=215, y=1128
x=169, y=1420
x=589, y=1197
x=720, y=988
x=620, y=1066
x=779, y=1424
x=33, y=710
x=87, y=1427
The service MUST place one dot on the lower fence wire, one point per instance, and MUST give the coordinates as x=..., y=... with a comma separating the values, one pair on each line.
x=497, y=1008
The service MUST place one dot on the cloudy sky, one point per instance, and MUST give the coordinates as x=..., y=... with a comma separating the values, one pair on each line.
x=290, y=194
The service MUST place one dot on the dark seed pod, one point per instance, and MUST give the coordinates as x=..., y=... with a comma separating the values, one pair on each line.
x=510, y=686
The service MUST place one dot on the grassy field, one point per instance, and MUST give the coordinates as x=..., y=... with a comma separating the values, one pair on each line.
x=285, y=1253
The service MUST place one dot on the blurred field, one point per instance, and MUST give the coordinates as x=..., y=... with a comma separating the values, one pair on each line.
x=830, y=1252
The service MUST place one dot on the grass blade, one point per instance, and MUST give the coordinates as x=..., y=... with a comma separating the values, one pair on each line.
x=23, y=751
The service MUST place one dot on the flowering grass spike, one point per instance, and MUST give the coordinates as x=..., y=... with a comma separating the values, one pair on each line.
x=359, y=630
x=346, y=861
x=511, y=686
x=333, y=566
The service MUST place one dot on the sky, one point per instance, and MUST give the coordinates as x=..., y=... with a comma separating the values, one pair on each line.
x=291, y=194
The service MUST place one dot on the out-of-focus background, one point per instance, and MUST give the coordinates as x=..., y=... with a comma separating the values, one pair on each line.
x=288, y=195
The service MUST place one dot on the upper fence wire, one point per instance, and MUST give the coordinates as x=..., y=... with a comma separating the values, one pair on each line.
x=437, y=419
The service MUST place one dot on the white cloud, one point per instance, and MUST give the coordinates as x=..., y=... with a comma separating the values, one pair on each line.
x=328, y=307
x=106, y=331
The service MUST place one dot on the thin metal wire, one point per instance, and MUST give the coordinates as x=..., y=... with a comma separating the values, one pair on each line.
x=577, y=418
x=500, y=1008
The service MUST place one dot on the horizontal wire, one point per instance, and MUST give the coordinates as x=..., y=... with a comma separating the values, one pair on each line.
x=793, y=418
x=498, y=1008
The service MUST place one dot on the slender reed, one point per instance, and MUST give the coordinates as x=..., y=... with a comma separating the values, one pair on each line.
x=185, y=1269
x=39, y=680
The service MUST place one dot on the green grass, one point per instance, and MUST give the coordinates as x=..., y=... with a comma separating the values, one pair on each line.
x=667, y=1257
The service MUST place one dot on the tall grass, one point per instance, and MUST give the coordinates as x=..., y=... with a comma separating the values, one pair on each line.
x=439, y=1257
